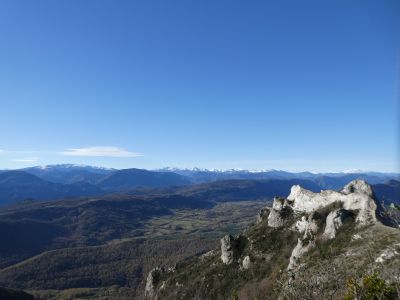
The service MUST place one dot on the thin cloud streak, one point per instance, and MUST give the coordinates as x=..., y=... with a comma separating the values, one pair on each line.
x=27, y=159
x=100, y=151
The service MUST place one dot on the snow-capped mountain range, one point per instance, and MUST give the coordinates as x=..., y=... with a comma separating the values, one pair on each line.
x=53, y=181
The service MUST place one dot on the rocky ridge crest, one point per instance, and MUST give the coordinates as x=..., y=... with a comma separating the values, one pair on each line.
x=295, y=225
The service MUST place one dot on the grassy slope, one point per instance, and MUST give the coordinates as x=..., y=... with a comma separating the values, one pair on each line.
x=324, y=274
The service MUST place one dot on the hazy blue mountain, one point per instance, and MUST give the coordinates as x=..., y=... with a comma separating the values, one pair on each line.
x=67, y=173
x=203, y=175
x=19, y=185
x=57, y=181
x=336, y=181
x=389, y=192
x=123, y=180
x=240, y=190
x=325, y=180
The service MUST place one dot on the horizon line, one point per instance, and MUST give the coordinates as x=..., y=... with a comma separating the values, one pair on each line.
x=222, y=170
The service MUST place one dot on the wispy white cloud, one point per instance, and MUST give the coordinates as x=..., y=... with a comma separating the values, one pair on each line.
x=21, y=152
x=106, y=151
x=26, y=159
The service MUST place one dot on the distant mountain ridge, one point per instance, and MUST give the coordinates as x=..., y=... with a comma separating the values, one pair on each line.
x=325, y=180
x=123, y=180
x=61, y=182
x=19, y=185
x=65, y=181
x=69, y=173
x=388, y=192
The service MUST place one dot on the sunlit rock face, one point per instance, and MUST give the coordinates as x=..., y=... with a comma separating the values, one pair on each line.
x=281, y=210
x=334, y=221
x=356, y=196
x=355, y=201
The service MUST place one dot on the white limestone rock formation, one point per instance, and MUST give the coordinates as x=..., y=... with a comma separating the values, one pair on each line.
x=356, y=196
x=246, y=262
x=334, y=221
x=281, y=210
x=152, y=280
x=308, y=228
x=275, y=219
x=232, y=247
x=298, y=251
x=356, y=199
x=227, y=248
x=306, y=225
x=358, y=186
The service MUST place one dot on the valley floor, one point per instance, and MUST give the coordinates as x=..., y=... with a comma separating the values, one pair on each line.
x=117, y=268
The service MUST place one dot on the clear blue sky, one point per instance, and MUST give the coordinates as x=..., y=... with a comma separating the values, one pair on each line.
x=294, y=85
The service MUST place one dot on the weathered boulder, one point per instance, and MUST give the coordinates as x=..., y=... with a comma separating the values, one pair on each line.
x=281, y=210
x=227, y=248
x=232, y=247
x=207, y=254
x=246, y=262
x=152, y=280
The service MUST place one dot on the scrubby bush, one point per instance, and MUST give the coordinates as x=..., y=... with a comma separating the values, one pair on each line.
x=371, y=287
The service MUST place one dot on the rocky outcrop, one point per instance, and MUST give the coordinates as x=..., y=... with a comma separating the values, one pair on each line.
x=227, y=248
x=301, y=248
x=356, y=196
x=388, y=253
x=207, y=254
x=307, y=225
x=308, y=228
x=246, y=262
x=291, y=228
x=231, y=248
x=281, y=210
x=355, y=200
x=263, y=214
x=152, y=281
x=358, y=186
x=334, y=221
